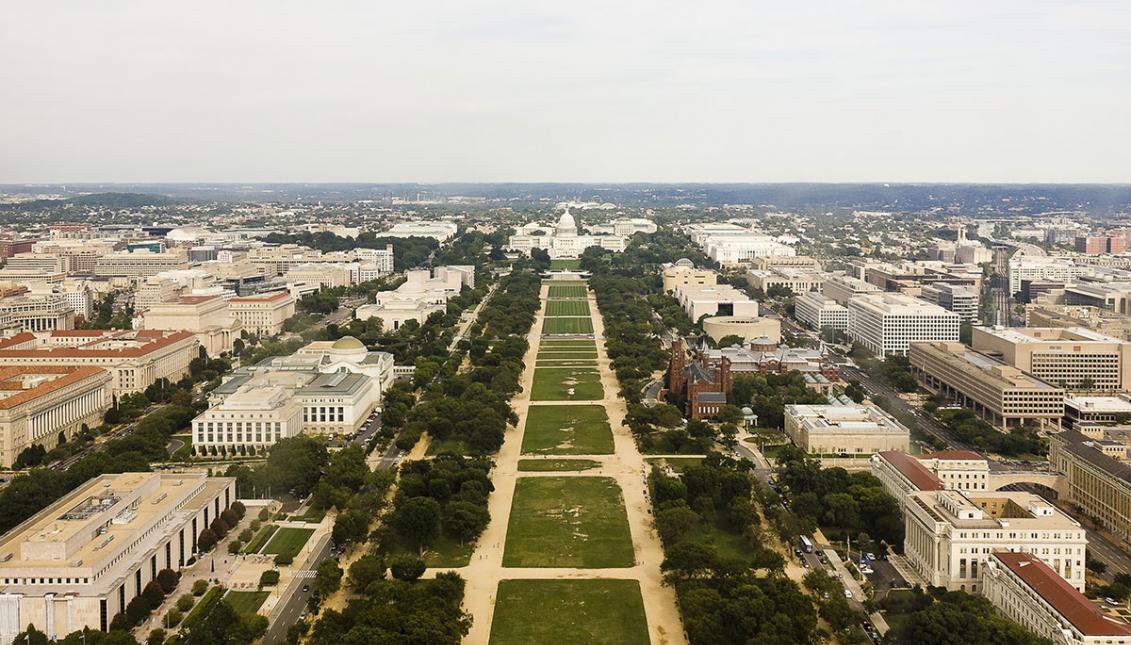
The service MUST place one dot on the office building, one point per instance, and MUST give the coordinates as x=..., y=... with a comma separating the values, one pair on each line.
x=1095, y=481
x=1103, y=321
x=141, y=264
x=797, y=280
x=325, y=275
x=1074, y=357
x=439, y=230
x=1027, y=591
x=41, y=404
x=748, y=328
x=950, y=536
x=683, y=272
x=901, y=473
x=844, y=429
x=1043, y=269
x=209, y=317
x=79, y=562
x=717, y=300
x=961, y=300
x=841, y=288
x=820, y=312
x=419, y=296
x=732, y=245
x=248, y=419
x=888, y=323
x=36, y=312
x=135, y=359
x=1001, y=394
x=263, y=314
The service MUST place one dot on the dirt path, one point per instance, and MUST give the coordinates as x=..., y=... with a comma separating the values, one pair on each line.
x=626, y=465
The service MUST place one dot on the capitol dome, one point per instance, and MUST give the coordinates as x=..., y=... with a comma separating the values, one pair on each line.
x=566, y=225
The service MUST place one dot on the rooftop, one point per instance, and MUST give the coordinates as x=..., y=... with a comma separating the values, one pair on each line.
x=104, y=344
x=1063, y=597
x=1112, y=404
x=911, y=468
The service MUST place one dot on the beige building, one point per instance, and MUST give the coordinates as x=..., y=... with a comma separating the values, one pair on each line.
x=819, y=311
x=1097, y=482
x=139, y=264
x=747, y=327
x=79, y=562
x=887, y=323
x=252, y=418
x=797, y=280
x=1025, y=590
x=684, y=272
x=1074, y=357
x=1001, y=394
x=844, y=429
x=422, y=294
x=135, y=359
x=35, y=313
x=718, y=300
x=209, y=317
x=950, y=535
x=39, y=404
x=325, y=275
x=1104, y=321
x=265, y=313
x=842, y=287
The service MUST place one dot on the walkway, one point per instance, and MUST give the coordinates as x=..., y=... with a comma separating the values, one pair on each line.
x=626, y=465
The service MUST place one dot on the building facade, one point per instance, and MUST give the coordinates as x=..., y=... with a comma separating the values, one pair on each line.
x=844, y=429
x=888, y=323
x=819, y=311
x=263, y=314
x=41, y=404
x=1074, y=358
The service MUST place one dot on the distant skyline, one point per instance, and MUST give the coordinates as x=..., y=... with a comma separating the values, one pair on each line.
x=256, y=91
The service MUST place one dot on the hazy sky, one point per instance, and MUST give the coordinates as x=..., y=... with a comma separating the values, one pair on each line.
x=426, y=90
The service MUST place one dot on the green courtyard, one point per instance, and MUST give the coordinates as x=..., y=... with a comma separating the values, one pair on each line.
x=566, y=384
x=565, y=265
x=568, y=522
x=567, y=430
x=287, y=541
x=573, y=325
x=569, y=612
x=246, y=603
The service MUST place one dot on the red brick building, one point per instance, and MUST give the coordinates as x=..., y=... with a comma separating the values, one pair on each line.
x=703, y=382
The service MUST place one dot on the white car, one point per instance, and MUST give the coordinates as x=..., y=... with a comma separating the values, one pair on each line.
x=848, y=594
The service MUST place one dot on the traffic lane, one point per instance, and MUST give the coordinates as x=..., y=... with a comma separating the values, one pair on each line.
x=295, y=599
x=884, y=578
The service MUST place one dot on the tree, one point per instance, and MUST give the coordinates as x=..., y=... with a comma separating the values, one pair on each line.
x=367, y=569
x=328, y=577
x=408, y=568
x=185, y=602
x=675, y=523
x=269, y=578
x=465, y=520
x=156, y=637
x=350, y=527
x=206, y=539
x=417, y=520
x=168, y=580
x=855, y=392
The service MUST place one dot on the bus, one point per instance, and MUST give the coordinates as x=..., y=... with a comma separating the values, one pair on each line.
x=806, y=545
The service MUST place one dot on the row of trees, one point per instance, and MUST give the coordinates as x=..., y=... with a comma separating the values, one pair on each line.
x=446, y=495
x=942, y=616
x=969, y=428
x=408, y=252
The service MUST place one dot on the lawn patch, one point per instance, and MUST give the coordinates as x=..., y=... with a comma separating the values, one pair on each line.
x=555, y=465
x=567, y=308
x=561, y=344
x=576, y=290
x=565, y=265
x=568, y=522
x=568, y=612
x=287, y=541
x=567, y=430
x=566, y=384
x=556, y=354
x=567, y=326
x=260, y=538
x=246, y=603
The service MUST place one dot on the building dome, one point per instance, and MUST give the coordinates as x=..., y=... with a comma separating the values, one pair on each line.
x=747, y=411
x=684, y=262
x=566, y=225
x=347, y=343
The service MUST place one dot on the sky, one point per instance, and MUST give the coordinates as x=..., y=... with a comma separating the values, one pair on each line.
x=579, y=91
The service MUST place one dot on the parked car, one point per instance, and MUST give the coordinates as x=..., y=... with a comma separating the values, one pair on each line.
x=848, y=594
x=1111, y=601
x=305, y=588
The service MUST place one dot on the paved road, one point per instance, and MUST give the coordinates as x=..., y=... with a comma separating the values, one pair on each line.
x=294, y=601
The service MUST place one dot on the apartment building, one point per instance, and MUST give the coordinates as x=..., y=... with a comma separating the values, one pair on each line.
x=717, y=300
x=134, y=359
x=950, y=535
x=1001, y=394
x=1027, y=591
x=683, y=272
x=1073, y=357
x=819, y=311
x=263, y=314
x=888, y=323
x=79, y=562
x=208, y=317
x=41, y=404
x=1097, y=482
x=844, y=429
x=841, y=288
x=140, y=264
x=962, y=300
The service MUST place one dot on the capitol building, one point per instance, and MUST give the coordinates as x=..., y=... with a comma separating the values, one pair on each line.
x=562, y=241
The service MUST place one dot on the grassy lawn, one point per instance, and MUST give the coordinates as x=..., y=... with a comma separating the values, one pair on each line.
x=567, y=362
x=288, y=540
x=568, y=522
x=567, y=430
x=566, y=384
x=447, y=445
x=246, y=602
x=567, y=308
x=569, y=612
x=312, y=516
x=555, y=465
x=559, y=345
x=565, y=265
x=564, y=354
x=567, y=326
x=575, y=290
x=260, y=538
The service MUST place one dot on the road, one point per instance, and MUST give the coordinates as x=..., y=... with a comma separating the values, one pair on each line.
x=295, y=600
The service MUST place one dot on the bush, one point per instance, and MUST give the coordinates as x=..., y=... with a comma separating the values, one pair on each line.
x=283, y=559
x=199, y=587
x=408, y=568
x=263, y=514
x=185, y=602
x=254, y=526
x=247, y=534
x=156, y=637
x=168, y=580
x=239, y=509
x=234, y=547
x=174, y=617
x=269, y=578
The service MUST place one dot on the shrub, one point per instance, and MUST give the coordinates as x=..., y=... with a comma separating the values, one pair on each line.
x=239, y=509
x=254, y=526
x=199, y=587
x=247, y=534
x=156, y=637
x=168, y=580
x=185, y=602
x=174, y=617
x=264, y=514
x=269, y=578
x=283, y=559
x=234, y=547
x=408, y=568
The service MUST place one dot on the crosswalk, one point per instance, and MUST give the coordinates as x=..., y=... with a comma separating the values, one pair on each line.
x=304, y=573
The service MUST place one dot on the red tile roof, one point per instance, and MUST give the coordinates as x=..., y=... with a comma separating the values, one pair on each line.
x=155, y=342
x=68, y=376
x=952, y=454
x=1063, y=597
x=912, y=469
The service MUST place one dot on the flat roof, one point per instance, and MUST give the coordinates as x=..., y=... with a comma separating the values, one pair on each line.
x=952, y=455
x=1063, y=597
x=1049, y=335
x=1098, y=403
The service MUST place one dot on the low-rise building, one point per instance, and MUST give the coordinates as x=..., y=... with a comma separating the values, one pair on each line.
x=44, y=404
x=325, y=275
x=746, y=327
x=439, y=230
x=35, y=313
x=717, y=300
x=1001, y=394
x=683, y=272
x=1075, y=357
x=209, y=317
x=79, y=562
x=819, y=312
x=419, y=296
x=797, y=280
x=1090, y=410
x=265, y=313
x=1094, y=480
x=140, y=264
x=248, y=419
x=1027, y=591
x=950, y=536
x=844, y=429
x=135, y=359
x=888, y=323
